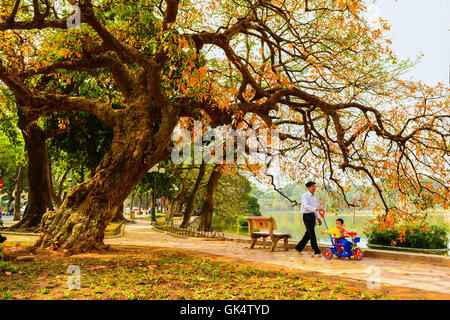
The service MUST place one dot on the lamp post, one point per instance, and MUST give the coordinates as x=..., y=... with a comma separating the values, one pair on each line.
x=356, y=203
x=158, y=170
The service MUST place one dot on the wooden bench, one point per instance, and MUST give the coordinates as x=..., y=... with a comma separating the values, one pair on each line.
x=264, y=223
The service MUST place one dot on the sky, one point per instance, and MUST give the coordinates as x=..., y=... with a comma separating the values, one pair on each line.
x=419, y=27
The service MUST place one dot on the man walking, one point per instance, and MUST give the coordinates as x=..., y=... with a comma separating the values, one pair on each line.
x=310, y=214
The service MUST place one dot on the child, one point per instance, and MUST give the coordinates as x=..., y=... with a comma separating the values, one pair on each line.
x=339, y=232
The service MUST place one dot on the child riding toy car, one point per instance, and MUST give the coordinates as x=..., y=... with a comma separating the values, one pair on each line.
x=342, y=248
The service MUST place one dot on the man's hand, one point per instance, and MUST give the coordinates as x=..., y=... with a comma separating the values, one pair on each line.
x=320, y=222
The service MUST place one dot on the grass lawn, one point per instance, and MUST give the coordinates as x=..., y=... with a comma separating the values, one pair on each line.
x=160, y=273
x=111, y=228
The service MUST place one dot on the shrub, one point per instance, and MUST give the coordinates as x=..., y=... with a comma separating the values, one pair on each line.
x=242, y=222
x=420, y=237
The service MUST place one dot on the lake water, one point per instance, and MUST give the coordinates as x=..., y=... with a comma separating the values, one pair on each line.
x=292, y=222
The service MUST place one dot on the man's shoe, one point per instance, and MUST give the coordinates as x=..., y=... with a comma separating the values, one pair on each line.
x=298, y=251
x=316, y=255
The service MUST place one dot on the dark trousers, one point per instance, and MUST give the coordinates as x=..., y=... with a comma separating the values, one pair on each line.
x=310, y=222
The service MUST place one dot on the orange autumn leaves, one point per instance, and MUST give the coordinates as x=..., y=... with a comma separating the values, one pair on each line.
x=328, y=50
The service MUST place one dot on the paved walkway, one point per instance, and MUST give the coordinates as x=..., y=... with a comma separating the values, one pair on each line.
x=406, y=274
x=420, y=276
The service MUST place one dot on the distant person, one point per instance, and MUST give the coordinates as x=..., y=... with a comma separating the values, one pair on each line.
x=2, y=238
x=310, y=212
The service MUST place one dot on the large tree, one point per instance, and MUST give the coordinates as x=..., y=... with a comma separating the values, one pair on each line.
x=316, y=66
x=12, y=168
x=12, y=160
x=39, y=173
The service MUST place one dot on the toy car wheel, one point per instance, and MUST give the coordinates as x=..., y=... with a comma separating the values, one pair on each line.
x=357, y=254
x=327, y=254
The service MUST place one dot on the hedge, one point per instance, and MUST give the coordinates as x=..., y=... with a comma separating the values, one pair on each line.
x=419, y=237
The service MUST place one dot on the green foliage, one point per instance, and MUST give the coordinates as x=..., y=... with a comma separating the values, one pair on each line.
x=8, y=121
x=252, y=204
x=233, y=197
x=242, y=222
x=161, y=184
x=124, y=17
x=423, y=237
x=86, y=143
x=11, y=156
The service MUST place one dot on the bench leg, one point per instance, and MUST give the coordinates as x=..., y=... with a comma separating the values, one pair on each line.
x=286, y=243
x=264, y=242
x=274, y=243
x=253, y=243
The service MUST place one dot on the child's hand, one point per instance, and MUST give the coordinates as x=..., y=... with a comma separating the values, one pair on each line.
x=322, y=232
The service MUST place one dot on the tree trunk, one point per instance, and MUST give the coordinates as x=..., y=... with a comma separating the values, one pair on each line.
x=78, y=225
x=154, y=210
x=18, y=192
x=176, y=203
x=119, y=215
x=51, y=187
x=58, y=197
x=208, y=201
x=92, y=155
x=39, y=193
x=190, y=202
x=140, y=203
x=132, y=200
x=10, y=200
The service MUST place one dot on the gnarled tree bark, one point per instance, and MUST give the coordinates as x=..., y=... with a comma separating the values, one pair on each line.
x=57, y=197
x=18, y=192
x=208, y=201
x=190, y=202
x=119, y=215
x=39, y=190
x=79, y=224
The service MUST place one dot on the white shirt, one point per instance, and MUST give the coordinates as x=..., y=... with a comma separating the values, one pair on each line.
x=309, y=204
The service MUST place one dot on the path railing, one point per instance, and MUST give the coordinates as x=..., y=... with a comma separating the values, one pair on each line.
x=192, y=232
